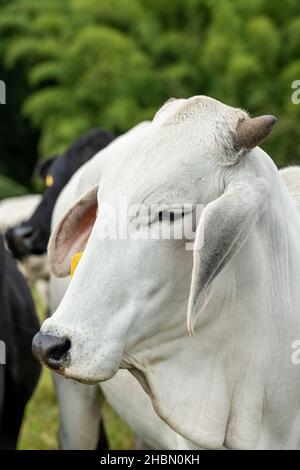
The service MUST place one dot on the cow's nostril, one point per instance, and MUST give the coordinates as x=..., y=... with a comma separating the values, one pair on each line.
x=51, y=350
x=25, y=232
x=21, y=231
x=58, y=351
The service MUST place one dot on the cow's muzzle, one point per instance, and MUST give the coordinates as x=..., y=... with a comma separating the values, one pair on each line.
x=19, y=240
x=52, y=351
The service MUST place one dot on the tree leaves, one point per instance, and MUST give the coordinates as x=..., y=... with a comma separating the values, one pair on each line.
x=112, y=63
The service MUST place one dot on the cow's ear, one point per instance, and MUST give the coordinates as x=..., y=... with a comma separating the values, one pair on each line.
x=43, y=168
x=224, y=226
x=71, y=234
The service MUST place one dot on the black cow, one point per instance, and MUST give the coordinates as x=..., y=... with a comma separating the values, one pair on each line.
x=31, y=236
x=18, y=325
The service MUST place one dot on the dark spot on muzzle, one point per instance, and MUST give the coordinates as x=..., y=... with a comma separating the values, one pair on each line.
x=52, y=351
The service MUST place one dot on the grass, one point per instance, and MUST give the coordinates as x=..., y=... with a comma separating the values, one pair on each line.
x=40, y=425
x=41, y=421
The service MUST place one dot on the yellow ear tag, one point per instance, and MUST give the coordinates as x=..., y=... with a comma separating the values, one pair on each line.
x=75, y=261
x=49, y=180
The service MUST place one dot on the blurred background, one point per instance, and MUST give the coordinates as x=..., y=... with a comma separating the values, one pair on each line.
x=70, y=65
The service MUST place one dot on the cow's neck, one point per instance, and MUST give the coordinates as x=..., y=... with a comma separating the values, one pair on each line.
x=230, y=382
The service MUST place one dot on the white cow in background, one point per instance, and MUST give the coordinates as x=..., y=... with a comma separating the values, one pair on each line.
x=233, y=382
x=14, y=210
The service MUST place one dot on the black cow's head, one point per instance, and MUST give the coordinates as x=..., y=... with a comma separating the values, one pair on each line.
x=31, y=236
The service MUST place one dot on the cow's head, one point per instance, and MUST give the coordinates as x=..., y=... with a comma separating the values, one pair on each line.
x=32, y=236
x=127, y=302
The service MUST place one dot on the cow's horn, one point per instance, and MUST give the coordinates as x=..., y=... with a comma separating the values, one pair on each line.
x=251, y=132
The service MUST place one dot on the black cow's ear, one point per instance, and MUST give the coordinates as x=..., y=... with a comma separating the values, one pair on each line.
x=42, y=169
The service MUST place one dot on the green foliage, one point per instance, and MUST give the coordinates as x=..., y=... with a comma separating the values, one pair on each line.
x=9, y=188
x=113, y=62
x=40, y=426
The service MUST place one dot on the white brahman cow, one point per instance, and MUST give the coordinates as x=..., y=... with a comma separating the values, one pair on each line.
x=231, y=382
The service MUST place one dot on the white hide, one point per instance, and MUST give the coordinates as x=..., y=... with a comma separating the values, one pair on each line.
x=291, y=177
x=233, y=383
x=123, y=392
x=14, y=210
